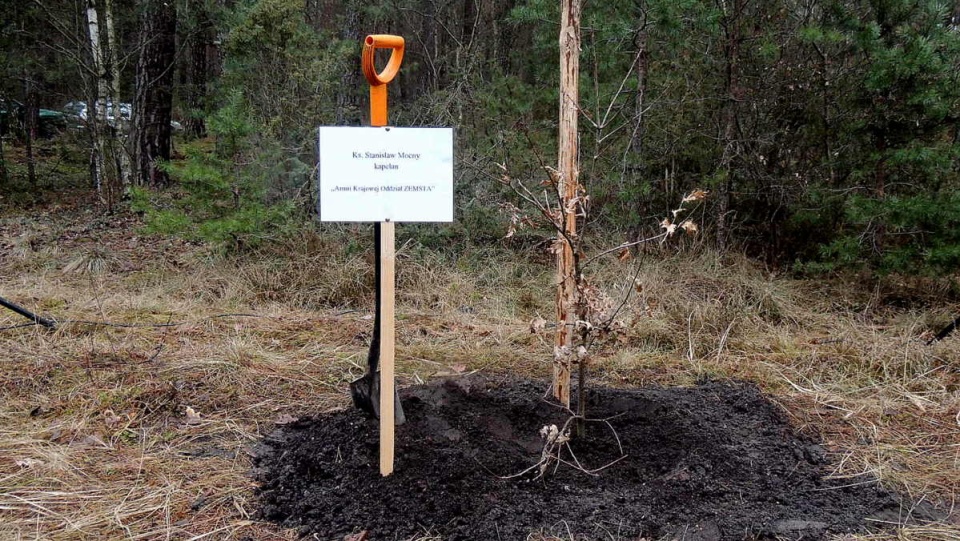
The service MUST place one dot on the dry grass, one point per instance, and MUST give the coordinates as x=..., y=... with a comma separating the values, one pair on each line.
x=95, y=442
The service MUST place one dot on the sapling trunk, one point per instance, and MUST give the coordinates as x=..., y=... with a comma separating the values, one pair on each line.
x=4, y=179
x=567, y=183
x=581, y=397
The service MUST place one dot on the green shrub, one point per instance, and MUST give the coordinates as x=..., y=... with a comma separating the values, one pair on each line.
x=237, y=195
x=916, y=234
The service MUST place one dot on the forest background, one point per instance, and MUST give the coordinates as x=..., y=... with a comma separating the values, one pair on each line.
x=825, y=130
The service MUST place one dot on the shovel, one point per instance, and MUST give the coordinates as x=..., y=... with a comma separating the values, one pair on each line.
x=366, y=390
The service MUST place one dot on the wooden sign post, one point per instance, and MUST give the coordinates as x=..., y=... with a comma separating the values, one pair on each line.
x=384, y=175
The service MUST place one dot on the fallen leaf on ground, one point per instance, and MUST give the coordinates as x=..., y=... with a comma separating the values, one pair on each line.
x=90, y=441
x=193, y=418
x=537, y=324
x=111, y=419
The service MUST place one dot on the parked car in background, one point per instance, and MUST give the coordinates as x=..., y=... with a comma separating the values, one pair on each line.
x=76, y=110
x=13, y=116
x=79, y=111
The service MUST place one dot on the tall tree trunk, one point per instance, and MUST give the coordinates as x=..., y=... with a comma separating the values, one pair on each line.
x=4, y=176
x=430, y=36
x=825, y=102
x=153, y=103
x=567, y=186
x=636, y=140
x=96, y=110
x=469, y=19
x=198, y=70
x=196, y=99
x=112, y=72
x=640, y=41
x=30, y=126
x=349, y=78
x=731, y=23
x=880, y=189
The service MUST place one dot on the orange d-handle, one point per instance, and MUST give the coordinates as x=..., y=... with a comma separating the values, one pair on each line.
x=378, y=81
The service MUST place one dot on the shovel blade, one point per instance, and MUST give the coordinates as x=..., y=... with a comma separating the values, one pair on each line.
x=366, y=397
x=366, y=394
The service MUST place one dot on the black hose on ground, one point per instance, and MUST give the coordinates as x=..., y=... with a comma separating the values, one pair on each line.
x=48, y=323
x=944, y=332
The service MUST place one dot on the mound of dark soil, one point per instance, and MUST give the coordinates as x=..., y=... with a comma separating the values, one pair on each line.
x=717, y=461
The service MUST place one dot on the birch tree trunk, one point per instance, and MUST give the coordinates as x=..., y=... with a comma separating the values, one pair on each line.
x=96, y=112
x=567, y=187
x=112, y=72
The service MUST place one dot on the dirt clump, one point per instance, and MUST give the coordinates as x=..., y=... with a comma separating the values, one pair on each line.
x=710, y=462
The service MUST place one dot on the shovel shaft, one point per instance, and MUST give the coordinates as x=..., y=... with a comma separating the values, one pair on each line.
x=382, y=345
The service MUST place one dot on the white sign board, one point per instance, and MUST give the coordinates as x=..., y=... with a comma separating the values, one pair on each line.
x=374, y=174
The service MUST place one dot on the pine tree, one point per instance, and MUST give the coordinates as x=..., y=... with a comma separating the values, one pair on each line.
x=154, y=92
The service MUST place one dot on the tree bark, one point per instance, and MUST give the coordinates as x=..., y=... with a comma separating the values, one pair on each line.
x=4, y=177
x=731, y=23
x=640, y=42
x=198, y=70
x=153, y=103
x=96, y=113
x=111, y=70
x=349, y=78
x=29, y=126
x=567, y=187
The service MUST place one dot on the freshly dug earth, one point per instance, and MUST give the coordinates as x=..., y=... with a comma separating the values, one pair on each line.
x=716, y=461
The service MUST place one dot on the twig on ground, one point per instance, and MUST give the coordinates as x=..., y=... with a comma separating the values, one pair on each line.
x=556, y=440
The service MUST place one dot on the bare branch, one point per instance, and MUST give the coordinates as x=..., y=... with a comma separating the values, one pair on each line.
x=623, y=246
